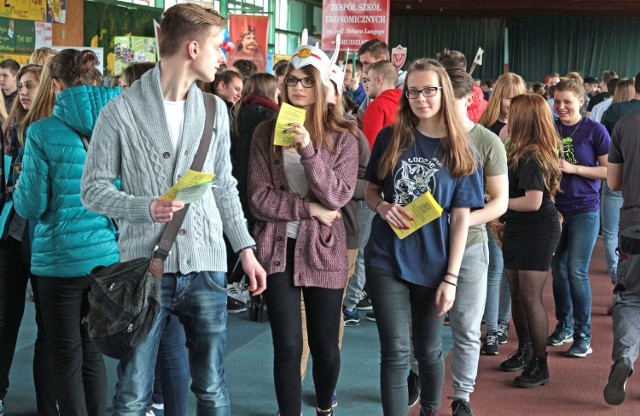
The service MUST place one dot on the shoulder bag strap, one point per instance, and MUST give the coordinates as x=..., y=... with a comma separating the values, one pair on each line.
x=173, y=227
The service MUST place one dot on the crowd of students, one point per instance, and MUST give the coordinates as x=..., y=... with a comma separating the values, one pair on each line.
x=312, y=224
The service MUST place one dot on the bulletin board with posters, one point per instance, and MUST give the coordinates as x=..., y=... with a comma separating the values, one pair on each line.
x=129, y=49
x=23, y=28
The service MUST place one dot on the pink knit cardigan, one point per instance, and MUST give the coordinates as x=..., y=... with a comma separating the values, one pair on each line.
x=321, y=251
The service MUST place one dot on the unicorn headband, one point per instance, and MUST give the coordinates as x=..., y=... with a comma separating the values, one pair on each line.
x=312, y=55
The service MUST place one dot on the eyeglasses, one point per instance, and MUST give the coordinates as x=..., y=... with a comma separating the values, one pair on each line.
x=426, y=92
x=292, y=81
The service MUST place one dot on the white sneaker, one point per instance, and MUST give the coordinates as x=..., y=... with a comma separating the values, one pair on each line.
x=238, y=292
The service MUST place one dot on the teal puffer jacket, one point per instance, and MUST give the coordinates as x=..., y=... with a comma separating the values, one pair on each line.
x=69, y=241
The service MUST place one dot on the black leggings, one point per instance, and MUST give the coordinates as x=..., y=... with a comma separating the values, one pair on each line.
x=323, y=308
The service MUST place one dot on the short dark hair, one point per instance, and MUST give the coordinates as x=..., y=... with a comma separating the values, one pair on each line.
x=452, y=59
x=246, y=67
x=358, y=64
x=488, y=83
x=226, y=77
x=377, y=48
x=280, y=68
x=11, y=65
x=612, y=84
x=136, y=70
x=591, y=80
x=461, y=82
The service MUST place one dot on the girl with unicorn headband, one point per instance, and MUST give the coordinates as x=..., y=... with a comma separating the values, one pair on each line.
x=296, y=195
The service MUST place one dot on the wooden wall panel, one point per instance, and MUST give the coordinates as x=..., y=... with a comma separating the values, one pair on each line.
x=72, y=32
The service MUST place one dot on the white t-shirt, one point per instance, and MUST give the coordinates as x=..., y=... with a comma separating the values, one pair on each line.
x=174, y=112
x=297, y=181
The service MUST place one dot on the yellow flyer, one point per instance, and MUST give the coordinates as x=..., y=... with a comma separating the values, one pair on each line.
x=288, y=114
x=190, y=187
x=424, y=210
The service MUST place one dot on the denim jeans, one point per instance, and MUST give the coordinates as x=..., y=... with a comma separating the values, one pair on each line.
x=466, y=317
x=570, y=268
x=610, y=211
x=498, y=307
x=356, y=283
x=404, y=313
x=171, y=382
x=79, y=374
x=199, y=300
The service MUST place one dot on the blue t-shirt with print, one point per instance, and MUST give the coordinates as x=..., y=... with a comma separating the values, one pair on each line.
x=422, y=257
x=582, y=143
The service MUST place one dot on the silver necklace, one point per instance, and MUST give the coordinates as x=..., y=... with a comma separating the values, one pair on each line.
x=574, y=130
x=415, y=148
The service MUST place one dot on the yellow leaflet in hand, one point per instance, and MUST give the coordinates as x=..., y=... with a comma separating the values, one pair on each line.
x=190, y=187
x=288, y=114
x=424, y=210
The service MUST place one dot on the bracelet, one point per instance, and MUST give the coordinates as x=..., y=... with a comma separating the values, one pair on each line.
x=451, y=274
x=452, y=284
x=377, y=205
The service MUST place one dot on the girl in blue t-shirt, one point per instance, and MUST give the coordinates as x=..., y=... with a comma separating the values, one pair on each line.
x=412, y=282
x=584, y=165
x=532, y=231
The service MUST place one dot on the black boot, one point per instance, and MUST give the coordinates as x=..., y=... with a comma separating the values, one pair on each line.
x=535, y=375
x=519, y=359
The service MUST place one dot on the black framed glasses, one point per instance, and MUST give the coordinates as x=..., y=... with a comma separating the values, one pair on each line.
x=426, y=92
x=292, y=81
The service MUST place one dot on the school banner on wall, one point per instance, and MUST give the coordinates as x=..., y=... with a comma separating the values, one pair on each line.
x=24, y=9
x=17, y=36
x=249, y=36
x=357, y=21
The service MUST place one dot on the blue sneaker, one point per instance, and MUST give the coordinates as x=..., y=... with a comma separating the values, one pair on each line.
x=351, y=317
x=1, y=408
x=334, y=400
x=561, y=335
x=581, y=347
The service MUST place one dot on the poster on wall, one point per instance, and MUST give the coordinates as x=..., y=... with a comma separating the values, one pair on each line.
x=44, y=35
x=357, y=21
x=249, y=36
x=57, y=11
x=17, y=36
x=29, y=10
x=129, y=49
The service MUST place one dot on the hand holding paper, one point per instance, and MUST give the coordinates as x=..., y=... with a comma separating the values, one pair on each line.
x=190, y=187
x=288, y=114
x=424, y=210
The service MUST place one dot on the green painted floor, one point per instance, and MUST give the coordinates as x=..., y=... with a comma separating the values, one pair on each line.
x=249, y=362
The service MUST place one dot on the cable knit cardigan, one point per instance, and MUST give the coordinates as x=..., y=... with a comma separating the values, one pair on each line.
x=321, y=251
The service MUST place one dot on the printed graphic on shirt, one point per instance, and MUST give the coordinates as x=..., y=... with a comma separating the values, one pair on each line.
x=567, y=151
x=415, y=176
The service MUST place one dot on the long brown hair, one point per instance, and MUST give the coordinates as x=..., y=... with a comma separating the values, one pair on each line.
x=42, y=105
x=625, y=91
x=261, y=84
x=459, y=157
x=18, y=112
x=534, y=135
x=508, y=84
x=324, y=117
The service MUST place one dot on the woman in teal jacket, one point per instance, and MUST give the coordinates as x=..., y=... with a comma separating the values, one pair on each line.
x=69, y=241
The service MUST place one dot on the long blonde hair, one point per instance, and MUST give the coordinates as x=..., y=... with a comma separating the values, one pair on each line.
x=534, y=135
x=325, y=117
x=508, y=84
x=625, y=91
x=459, y=157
